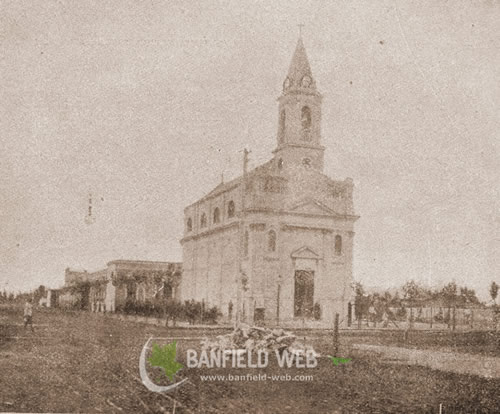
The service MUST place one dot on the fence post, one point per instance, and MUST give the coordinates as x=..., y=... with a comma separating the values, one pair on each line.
x=454, y=318
x=349, y=314
x=336, y=336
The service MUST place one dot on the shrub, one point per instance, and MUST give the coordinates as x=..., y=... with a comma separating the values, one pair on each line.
x=211, y=315
x=438, y=317
x=174, y=310
x=401, y=312
x=192, y=310
x=130, y=307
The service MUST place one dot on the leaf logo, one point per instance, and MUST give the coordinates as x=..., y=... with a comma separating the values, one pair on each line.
x=163, y=357
x=336, y=360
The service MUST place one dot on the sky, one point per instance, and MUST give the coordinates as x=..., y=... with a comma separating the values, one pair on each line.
x=147, y=104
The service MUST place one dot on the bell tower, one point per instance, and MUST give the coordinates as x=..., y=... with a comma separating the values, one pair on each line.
x=299, y=127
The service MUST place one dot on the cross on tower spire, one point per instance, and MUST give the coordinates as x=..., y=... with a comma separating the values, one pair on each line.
x=301, y=25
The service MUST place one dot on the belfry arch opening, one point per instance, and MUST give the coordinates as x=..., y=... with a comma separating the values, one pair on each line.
x=305, y=118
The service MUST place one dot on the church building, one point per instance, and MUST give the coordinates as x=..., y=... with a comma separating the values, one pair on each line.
x=275, y=245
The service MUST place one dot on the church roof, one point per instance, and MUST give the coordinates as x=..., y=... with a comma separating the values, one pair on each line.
x=268, y=168
x=222, y=187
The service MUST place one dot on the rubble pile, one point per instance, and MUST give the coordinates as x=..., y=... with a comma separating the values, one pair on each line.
x=253, y=338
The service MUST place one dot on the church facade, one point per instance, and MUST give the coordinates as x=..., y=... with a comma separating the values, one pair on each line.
x=275, y=245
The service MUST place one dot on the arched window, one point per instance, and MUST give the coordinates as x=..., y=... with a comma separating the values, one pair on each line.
x=338, y=245
x=282, y=125
x=245, y=244
x=203, y=220
x=140, y=294
x=280, y=163
x=230, y=209
x=189, y=224
x=271, y=241
x=306, y=117
x=216, y=215
x=167, y=290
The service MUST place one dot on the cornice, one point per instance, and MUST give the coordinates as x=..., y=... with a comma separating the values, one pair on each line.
x=257, y=226
x=291, y=227
x=295, y=145
x=295, y=92
x=291, y=213
x=211, y=231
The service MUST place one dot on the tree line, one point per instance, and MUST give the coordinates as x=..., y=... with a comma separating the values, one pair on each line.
x=377, y=306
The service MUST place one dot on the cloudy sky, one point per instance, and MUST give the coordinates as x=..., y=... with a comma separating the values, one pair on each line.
x=146, y=103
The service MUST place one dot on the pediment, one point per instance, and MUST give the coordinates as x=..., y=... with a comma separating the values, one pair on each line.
x=311, y=206
x=305, y=253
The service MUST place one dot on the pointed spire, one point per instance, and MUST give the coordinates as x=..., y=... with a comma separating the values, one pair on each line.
x=299, y=73
x=300, y=64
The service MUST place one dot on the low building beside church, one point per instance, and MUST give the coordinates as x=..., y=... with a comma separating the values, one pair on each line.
x=141, y=281
x=119, y=283
x=275, y=245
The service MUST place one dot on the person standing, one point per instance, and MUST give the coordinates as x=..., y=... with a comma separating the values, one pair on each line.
x=409, y=324
x=28, y=314
x=372, y=316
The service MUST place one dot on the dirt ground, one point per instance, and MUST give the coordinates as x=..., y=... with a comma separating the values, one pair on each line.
x=81, y=362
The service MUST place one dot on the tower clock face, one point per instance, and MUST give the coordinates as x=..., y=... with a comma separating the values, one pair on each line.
x=306, y=81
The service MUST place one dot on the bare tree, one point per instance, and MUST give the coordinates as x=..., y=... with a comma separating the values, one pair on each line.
x=449, y=294
x=494, y=292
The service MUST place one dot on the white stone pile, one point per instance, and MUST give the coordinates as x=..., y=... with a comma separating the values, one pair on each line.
x=253, y=338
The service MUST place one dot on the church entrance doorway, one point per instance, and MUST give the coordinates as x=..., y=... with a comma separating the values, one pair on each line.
x=304, y=293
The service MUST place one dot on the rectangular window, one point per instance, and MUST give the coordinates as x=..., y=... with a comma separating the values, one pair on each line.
x=338, y=245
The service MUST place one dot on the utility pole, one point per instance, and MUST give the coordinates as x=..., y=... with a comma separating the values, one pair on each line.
x=278, y=302
x=336, y=336
x=239, y=281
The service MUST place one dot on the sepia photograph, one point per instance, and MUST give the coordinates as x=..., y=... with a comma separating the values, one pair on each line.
x=250, y=206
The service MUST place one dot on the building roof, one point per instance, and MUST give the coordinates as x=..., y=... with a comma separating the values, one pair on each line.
x=75, y=270
x=223, y=187
x=140, y=262
x=267, y=168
